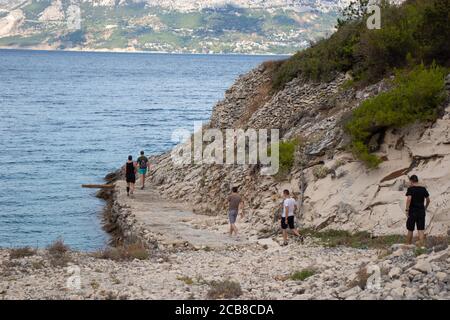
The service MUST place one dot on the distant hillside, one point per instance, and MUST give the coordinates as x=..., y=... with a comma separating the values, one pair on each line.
x=208, y=26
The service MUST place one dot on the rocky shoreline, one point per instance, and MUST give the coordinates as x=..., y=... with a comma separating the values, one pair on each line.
x=176, y=247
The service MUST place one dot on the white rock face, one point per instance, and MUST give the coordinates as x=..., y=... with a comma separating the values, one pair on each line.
x=54, y=12
x=10, y=24
x=347, y=195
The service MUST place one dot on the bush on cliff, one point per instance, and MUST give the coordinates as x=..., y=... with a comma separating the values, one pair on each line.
x=416, y=96
x=417, y=28
x=286, y=157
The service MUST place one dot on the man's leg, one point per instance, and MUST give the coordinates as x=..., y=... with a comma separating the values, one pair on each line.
x=410, y=225
x=421, y=229
x=235, y=229
x=143, y=180
x=132, y=188
x=128, y=188
x=285, y=236
x=421, y=238
x=231, y=229
x=409, y=237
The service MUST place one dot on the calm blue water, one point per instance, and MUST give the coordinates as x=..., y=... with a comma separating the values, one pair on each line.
x=69, y=118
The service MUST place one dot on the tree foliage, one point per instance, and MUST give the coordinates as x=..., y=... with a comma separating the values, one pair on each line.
x=418, y=29
x=416, y=96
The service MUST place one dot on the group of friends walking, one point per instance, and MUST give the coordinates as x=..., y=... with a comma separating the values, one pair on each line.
x=417, y=202
x=141, y=166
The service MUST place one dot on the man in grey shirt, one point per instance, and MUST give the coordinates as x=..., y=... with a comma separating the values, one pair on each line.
x=235, y=201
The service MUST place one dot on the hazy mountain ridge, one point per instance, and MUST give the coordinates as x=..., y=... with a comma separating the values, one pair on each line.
x=212, y=26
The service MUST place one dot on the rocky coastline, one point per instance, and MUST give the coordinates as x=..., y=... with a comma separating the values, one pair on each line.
x=169, y=241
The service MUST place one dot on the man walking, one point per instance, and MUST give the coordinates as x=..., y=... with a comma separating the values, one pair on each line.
x=130, y=175
x=235, y=201
x=416, y=209
x=144, y=165
x=287, y=217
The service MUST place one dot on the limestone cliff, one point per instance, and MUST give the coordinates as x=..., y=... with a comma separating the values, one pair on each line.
x=334, y=189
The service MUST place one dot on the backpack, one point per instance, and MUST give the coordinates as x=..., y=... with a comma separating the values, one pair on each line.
x=143, y=162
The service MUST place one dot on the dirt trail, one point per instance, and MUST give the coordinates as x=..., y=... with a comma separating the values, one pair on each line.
x=174, y=222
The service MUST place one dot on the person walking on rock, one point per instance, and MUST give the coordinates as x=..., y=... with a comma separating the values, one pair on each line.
x=144, y=165
x=235, y=201
x=287, y=217
x=130, y=175
x=416, y=209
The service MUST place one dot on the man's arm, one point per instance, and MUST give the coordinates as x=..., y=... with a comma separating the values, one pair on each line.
x=286, y=213
x=408, y=203
x=241, y=205
x=427, y=203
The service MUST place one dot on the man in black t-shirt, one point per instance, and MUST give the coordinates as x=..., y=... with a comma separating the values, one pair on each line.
x=415, y=209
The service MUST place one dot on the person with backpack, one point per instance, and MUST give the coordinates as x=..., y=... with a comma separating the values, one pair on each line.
x=130, y=175
x=417, y=202
x=144, y=165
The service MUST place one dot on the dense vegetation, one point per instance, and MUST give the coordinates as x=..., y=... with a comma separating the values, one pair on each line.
x=412, y=44
x=416, y=96
x=418, y=29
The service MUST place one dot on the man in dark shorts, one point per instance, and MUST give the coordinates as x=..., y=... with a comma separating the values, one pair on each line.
x=144, y=165
x=287, y=217
x=235, y=201
x=416, y=209
x=130, y=175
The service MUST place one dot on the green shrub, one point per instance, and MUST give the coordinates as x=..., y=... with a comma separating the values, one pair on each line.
x=320, y=172
x=417, y=29
x=361, y=240
x=416, y=96
x=302, y=275
x=286, y=156
x=18, y=253
x=226, y=289
x=420, y=251
x=186, y=280
x=124, y=252
x=59, y=253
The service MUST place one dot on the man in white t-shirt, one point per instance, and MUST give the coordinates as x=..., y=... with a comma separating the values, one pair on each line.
x=287, y=216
